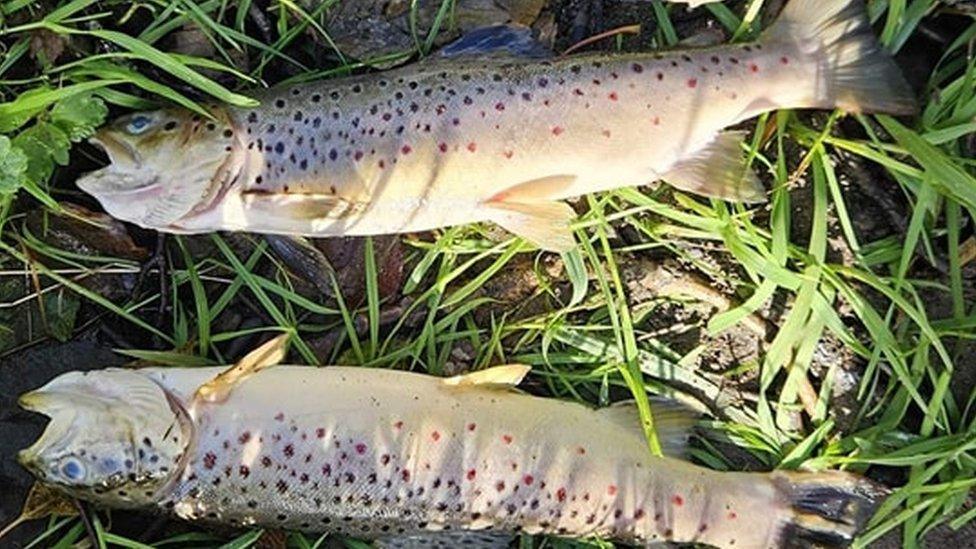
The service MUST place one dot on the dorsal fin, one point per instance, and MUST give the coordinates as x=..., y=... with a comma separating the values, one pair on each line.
x=506, y=376
x=501, y=40
x=672, y=419
x=268, y=354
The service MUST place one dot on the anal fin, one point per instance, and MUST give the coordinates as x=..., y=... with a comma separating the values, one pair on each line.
x=672, y=420
x=719, y=171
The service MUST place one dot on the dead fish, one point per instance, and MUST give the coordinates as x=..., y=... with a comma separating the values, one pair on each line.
x=410, y=460
x=502, y=138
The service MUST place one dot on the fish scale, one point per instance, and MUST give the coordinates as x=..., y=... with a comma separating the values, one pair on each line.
x=502, y=138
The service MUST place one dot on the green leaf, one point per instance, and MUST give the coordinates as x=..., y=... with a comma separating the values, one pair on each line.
x=13, y=166
x=43, y=144
x=79, y=115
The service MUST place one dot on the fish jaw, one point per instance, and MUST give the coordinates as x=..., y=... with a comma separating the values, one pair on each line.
x=114, y=437
x=177, y=169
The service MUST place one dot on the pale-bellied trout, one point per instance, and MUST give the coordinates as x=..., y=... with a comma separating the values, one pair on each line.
x=409, y=459
x=494, y=138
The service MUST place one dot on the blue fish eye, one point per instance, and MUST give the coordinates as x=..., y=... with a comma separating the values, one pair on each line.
x=73, y=470
x=138, y=124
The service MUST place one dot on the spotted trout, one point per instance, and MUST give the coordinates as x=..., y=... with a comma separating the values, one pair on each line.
x=412, y=460
x=491, y=137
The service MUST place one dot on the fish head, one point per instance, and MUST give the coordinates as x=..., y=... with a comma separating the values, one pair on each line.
x=116, y=437
x=164, y=165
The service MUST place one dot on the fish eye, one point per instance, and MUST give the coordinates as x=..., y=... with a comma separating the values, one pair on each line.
x=72, y=469
x=138, y=124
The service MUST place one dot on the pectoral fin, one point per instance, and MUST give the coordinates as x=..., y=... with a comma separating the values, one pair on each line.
x=719, y=171
x=507, y=376
x=268, y=354
x=301, y=206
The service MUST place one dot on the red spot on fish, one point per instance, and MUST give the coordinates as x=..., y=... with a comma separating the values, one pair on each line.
x=209, y=460
x=612, y=490
x=385, y=459
x=405, y=149
x=499, y=106
x=702, y=528
x=656, y=121
x=358, y=156
x=500, y=485
x=398, y=425
x=442, y=147
x=678, y=500
x=280, y=416
x=561, y=494
x=784, y=60
x=507, y=439
x=580, y=450
x=435, y=435
x=606, y=133
x=660, y=76
x=733, y=515
x=471, y=474
x=405, y=475
x=381, y=164
x=556, y=130
x=245, y=436
x=613, y=96
x=692, y=82
x=638, y=514
x=753, y=67
x=471, y=426
x=528, y=480
x=472, y=146
x=244, y=471
x=508, y=154
x=320, y=432
x=289, y=450
x=360, y=448
x=441, y=109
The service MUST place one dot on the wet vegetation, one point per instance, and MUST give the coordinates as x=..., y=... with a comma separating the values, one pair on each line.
x=833, y=327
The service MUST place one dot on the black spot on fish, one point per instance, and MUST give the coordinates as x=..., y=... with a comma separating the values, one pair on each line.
x=316, y=97
x=211, y=126
x=295, y=91
x=279, y=147
x=280, y=103
x=357, y=88
x=252, y=117
x=271, y=128
x=298, y=116
x=171, y=125
x=228, y=133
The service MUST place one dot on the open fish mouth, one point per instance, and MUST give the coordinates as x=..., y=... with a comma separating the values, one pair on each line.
x=118, y=151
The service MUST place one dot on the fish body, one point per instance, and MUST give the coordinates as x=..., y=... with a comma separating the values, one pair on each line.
x=387, y=455
x=496, y=138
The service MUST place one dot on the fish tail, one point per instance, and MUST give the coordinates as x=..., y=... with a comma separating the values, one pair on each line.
x=854, y=72
x=828, y=508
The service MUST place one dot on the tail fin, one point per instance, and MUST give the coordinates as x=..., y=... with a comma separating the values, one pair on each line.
x=858, y=75
x=829, y=508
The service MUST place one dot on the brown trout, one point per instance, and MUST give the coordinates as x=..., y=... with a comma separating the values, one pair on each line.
x=494, y=138
x=409, y=459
